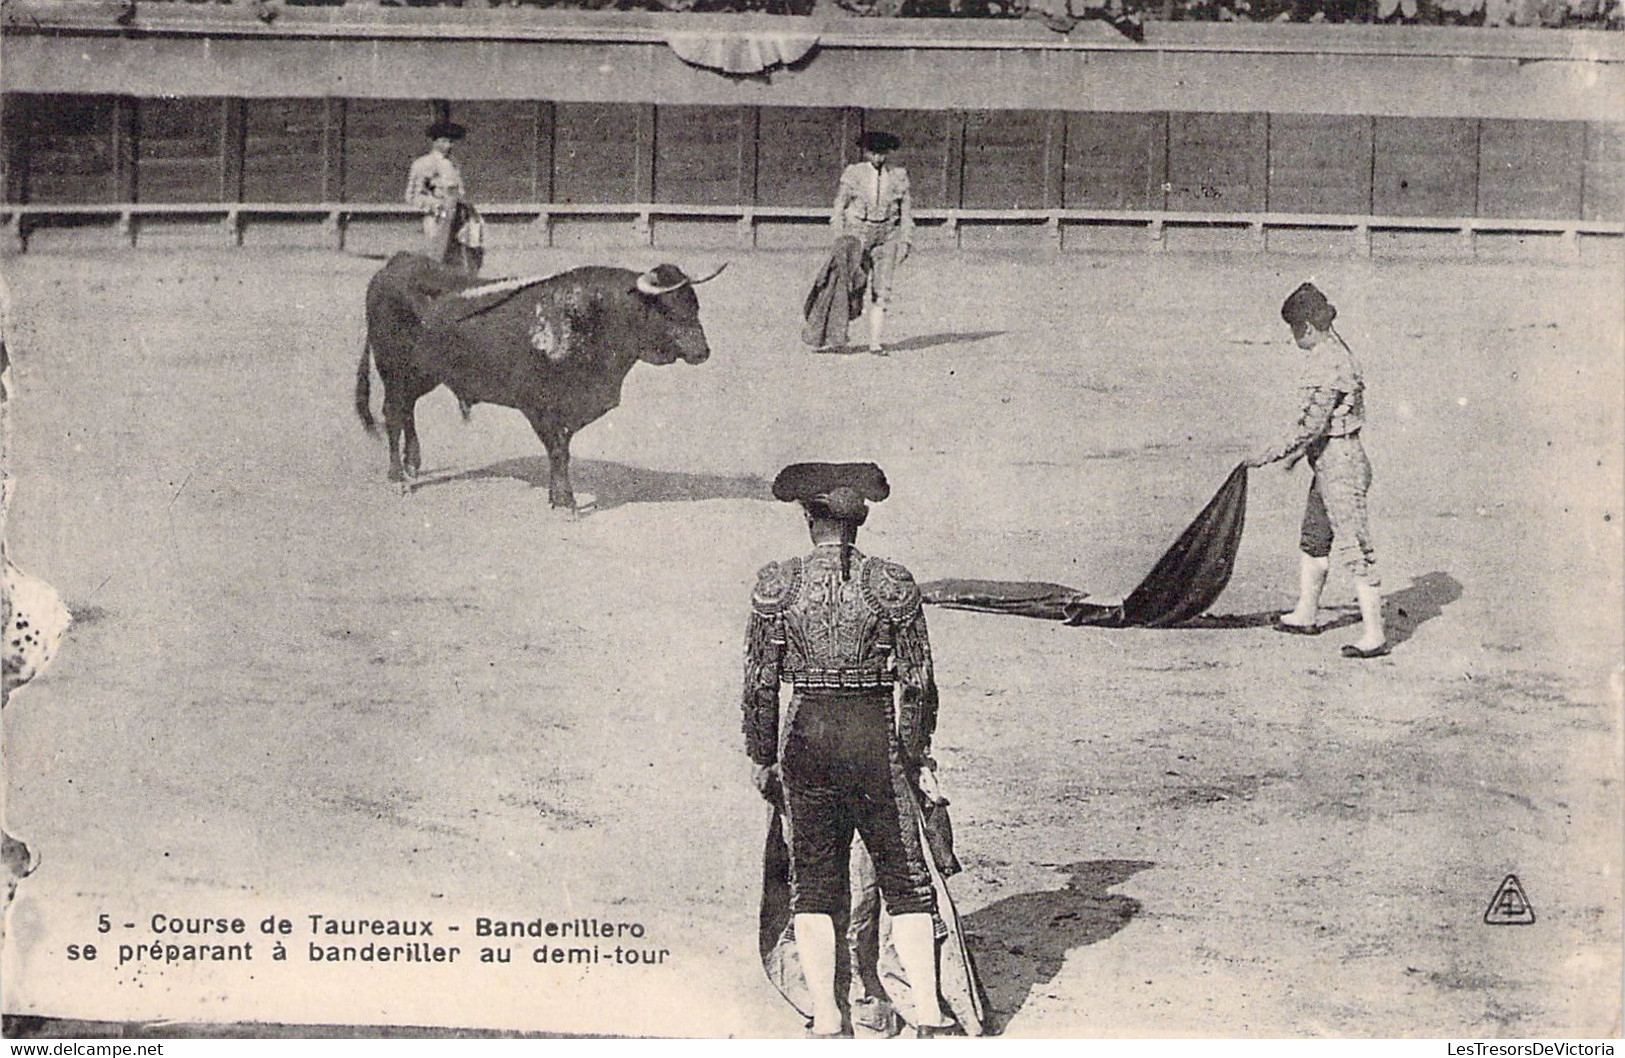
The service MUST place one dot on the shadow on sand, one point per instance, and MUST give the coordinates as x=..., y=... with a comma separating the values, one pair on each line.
x=1262, y=620
x=1404, y=610
x=613, y=484
x=1409, y=609
x=1021, y=942
x=910, y=345
x=927, y=341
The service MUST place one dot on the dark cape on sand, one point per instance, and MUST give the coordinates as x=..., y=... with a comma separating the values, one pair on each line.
x=961, y=989
x=836, y=297
x=1187, y=580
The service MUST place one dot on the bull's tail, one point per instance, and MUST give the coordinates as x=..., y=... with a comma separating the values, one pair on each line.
x=363, y=390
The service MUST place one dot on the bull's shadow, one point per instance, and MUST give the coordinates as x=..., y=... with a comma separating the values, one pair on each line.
x=1022, y=941
x=613, y=484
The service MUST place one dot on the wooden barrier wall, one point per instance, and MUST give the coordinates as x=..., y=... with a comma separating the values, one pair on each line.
x=68, y=149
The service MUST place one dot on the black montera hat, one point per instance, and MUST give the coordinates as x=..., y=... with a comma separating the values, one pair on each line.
x=449, y=129
x=1308, y=305
x=883, y=142
x=834, y=490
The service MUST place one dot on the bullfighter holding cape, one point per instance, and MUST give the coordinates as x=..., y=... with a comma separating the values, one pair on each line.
x=849, y=754
x=873, y=221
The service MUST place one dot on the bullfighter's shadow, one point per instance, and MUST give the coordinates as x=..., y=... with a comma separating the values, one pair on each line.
x=1409, y=609
x=927, y=341
x=613, y=484
x=1022, y=941
x=1257, y=619
x=1404, y=611
x=908, y=345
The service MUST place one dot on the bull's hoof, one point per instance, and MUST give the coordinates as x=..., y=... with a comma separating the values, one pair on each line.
x=572, y=502
x=397, y=474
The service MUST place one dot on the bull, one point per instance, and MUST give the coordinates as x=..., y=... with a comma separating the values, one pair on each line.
x=556, y=348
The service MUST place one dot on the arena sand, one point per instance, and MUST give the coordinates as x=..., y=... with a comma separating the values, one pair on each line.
x=291, y=691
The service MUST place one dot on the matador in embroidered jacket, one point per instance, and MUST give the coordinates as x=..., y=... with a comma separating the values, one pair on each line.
x=847, y=632
x=815, y=630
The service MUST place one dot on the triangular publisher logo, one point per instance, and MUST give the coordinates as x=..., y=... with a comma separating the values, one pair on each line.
x=1510, y=906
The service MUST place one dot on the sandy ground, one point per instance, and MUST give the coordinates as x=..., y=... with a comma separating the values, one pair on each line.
x=292, y=691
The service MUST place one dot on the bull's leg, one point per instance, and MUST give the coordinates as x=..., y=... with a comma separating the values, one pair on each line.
x=556, y=439
x=394, y=428
x=559, y=491
x=398, y=419
x=414, y=454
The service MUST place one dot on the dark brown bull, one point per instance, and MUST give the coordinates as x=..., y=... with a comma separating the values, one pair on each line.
x=556, y=348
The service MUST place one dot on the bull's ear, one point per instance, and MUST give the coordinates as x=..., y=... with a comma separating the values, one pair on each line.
x=662, y=279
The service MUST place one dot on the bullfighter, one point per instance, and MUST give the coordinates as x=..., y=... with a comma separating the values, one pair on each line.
x=1328, y=433
x=434, y=184
x=845, y=629
x=873, y=203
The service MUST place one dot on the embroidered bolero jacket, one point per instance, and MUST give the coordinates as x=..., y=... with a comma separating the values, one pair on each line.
x=813, y=629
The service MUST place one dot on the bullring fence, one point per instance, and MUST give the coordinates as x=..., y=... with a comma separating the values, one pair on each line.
x=1081, y=143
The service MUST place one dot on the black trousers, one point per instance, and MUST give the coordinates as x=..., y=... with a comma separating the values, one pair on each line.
x=842, y=773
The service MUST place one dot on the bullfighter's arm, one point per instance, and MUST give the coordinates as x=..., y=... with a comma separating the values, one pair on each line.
x=1319, y=401
x=917, y=708
x=891, y=589
x=764, y=655
x=844, y=193
x=763, y=643
x=906, y=208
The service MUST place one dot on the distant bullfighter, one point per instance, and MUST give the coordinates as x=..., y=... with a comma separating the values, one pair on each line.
x=556, y=348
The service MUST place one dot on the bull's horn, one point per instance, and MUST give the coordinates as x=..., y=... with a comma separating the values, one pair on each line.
x=648, y=285
x=713, y=275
